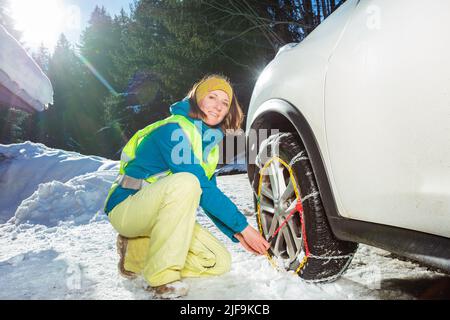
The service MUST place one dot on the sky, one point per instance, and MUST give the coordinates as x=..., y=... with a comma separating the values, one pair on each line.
x=43, y=21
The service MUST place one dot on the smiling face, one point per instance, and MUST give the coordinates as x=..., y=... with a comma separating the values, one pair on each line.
x=215, y=105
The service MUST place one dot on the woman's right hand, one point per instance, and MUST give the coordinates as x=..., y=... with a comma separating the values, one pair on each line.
x=244, y=244
x=254, y=240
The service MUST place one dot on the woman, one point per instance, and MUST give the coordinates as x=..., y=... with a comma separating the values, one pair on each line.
x=162, y=181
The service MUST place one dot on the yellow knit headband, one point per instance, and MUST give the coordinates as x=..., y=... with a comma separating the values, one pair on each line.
x=212, y=84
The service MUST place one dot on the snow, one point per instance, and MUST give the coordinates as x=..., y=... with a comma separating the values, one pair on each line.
x=49, y=179
x=21, y=75
x=56, y=243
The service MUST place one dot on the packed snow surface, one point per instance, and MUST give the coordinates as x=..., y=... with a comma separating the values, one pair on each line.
x=56, y=243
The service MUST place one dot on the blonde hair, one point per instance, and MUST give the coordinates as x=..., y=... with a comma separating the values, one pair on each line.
x=232, y=120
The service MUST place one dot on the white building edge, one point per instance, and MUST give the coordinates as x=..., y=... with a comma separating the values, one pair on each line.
x=23, y=84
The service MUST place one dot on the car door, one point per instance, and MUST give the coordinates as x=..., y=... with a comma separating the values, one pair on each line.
x=387, y=114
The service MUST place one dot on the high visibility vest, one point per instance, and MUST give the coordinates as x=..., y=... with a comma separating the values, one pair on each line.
x=195, y=139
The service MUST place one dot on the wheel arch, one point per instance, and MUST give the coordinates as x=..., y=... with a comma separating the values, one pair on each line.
x=282, y=115
x=429, y=249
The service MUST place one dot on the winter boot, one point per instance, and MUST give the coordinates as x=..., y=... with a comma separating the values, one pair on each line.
x=171, y=290
x=122, y=243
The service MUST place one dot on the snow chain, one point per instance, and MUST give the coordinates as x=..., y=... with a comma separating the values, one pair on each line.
x=298, y=208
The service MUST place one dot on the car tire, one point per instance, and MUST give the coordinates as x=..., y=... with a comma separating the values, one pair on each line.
x=305, y=244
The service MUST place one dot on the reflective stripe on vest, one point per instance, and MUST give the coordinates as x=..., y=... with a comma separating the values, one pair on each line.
x=195, y=139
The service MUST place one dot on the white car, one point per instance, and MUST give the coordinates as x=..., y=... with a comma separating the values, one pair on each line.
x=363, y=109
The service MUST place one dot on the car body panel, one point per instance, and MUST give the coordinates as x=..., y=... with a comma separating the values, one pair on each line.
x=380, y=169
x=387, y=109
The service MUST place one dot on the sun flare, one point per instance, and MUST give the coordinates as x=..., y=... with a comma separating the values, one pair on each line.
x=41, y=22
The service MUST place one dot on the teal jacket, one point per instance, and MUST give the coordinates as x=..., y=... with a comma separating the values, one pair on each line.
x=153, y=156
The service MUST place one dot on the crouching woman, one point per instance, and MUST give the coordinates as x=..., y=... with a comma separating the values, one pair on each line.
x=166, y=173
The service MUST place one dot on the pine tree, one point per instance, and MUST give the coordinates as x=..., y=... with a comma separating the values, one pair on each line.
x=65, y=123
x=42, y=57
x=121, y=53
x=100, y=43
x=203, y=37
x=14, y=125
x=36, y=130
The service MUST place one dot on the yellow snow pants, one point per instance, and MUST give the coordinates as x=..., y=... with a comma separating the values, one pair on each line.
x=165, y=241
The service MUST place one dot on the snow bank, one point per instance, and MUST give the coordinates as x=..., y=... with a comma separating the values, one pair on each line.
x=75, y=201
x=43, y=185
